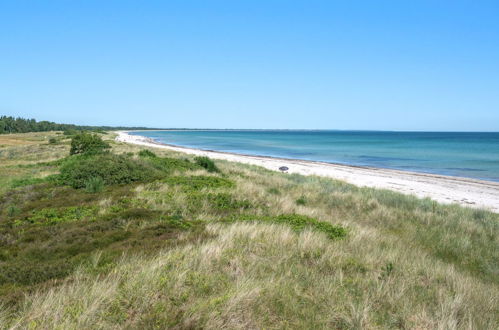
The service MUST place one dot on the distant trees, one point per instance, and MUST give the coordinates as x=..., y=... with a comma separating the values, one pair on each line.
x=22, y=125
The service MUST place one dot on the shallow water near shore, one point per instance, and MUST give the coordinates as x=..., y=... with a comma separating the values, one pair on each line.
x=472, y=155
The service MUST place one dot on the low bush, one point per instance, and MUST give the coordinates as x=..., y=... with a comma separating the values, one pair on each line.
x=78, y=171
x=207, y=163
x=87, y=143
x=112, y=169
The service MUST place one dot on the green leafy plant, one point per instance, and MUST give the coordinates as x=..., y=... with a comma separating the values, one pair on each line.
x=207, y=163
x=86, y=143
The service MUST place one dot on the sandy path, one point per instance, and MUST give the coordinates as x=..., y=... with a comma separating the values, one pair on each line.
x=444, y=189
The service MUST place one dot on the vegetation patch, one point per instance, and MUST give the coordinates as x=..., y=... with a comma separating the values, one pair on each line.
x=219, y=203
x=51, y=216
x=199, y=181
x=87, y=143
x=226, y=202
x=16, y=183
x=94, y=185
x=298, y=223
x=82, y=171
x=168, y=165
x=53, y=163
x=112, y=169
x=147, y=153
x=207, y=163
x=301, y=201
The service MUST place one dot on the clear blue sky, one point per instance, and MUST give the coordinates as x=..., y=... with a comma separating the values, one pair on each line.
x=381, y=65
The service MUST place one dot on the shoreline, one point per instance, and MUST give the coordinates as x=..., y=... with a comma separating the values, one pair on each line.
x=444, y=189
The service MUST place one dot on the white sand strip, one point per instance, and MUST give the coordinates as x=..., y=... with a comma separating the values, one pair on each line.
x=444, y=189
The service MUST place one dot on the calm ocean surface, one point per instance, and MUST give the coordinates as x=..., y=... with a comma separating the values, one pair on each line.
x=473, y=155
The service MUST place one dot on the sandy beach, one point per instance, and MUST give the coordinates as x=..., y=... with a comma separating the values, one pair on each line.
x=444, y=189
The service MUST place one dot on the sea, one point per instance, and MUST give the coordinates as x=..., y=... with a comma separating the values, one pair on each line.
x=462, y=154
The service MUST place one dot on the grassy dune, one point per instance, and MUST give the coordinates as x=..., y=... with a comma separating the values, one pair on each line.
x=241, y=247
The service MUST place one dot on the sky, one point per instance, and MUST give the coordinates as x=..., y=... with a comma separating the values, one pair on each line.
x=364, y=65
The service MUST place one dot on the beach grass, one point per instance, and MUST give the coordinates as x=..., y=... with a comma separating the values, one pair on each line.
x=235, y=247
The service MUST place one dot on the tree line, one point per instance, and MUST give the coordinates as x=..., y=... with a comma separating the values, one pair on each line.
x=22, y=125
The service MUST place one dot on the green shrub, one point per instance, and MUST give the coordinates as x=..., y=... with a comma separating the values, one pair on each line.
x=86, y=143
x=52, y=141
x=207, y=163
x=94, y=185
x=147, y=153
x=112, y=169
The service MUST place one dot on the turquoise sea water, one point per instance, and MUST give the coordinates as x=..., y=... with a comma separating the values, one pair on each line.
x=473, y=155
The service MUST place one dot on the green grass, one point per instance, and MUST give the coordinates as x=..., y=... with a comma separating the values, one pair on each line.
x=167, y=242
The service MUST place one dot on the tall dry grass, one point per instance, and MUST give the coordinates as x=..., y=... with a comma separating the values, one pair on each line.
x=266, y=276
